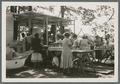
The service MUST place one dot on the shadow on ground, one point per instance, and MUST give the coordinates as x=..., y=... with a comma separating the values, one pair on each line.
x=101, y=71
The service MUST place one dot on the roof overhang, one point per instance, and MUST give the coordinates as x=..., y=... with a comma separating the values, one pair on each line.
x=38, y=17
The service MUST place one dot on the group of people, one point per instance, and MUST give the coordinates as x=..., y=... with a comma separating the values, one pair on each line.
x=36, y=45
x=71, y=41
x=28, y=43
x=68, y=42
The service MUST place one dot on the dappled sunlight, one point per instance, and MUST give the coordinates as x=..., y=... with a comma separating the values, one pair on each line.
x=101, y=71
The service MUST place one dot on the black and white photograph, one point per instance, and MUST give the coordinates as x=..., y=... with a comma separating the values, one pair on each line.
x=59, y=41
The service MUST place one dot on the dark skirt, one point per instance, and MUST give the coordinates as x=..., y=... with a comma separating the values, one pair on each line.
x=98, y=54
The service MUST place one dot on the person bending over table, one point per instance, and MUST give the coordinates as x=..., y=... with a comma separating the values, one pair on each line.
x=75, y=41
x=84, y=45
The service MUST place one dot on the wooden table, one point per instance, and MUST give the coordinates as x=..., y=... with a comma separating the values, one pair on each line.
x=59, y=49
x=73, y=50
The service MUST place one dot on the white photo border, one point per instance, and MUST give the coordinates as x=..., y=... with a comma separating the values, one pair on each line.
x=4, y=79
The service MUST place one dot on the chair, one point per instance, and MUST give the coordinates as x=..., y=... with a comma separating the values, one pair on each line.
x=83, y=60
x=107, y=55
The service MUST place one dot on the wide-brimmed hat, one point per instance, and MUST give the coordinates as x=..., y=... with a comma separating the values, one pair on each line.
x=66, y=34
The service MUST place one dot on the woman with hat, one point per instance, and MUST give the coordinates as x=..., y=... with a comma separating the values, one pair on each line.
x=66, y=56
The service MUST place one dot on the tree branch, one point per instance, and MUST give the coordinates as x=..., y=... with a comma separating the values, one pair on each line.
x=111, y=15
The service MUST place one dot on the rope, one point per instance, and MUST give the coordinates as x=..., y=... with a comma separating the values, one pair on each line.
x=80, y=32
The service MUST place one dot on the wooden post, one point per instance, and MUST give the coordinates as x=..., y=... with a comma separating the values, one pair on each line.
x=30, y=25
x=18, y=31
x=62, y=16
x=15, y=33
x=56, y=32
x=74, y=26
x=46, y=27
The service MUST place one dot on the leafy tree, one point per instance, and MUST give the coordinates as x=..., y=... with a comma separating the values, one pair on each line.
x=90, y=16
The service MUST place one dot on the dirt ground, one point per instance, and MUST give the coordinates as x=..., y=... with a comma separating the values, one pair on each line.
x=101, y=71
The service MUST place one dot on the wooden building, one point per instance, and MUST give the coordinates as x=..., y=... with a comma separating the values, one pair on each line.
x=31, y=22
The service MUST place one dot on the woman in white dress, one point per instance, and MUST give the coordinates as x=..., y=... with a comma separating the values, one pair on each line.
x=66, y=56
